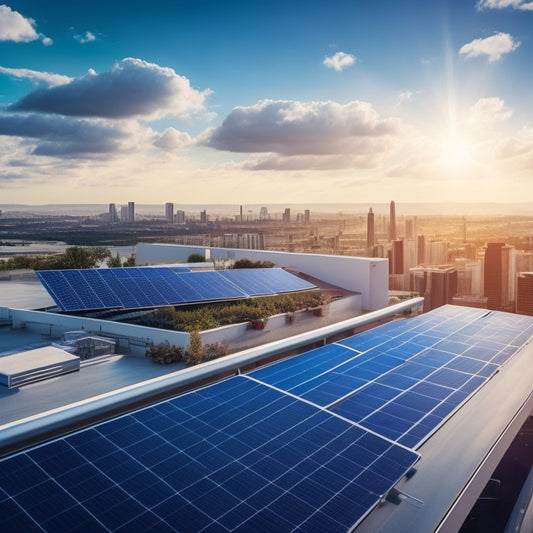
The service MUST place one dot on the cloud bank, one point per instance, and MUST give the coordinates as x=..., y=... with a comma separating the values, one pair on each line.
x=133, y=88
x=60, y=136
x=300, y=128
x=36, y=76
x=494, y=47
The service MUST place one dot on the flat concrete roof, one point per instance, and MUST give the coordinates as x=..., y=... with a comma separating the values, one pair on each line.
x=24, y=295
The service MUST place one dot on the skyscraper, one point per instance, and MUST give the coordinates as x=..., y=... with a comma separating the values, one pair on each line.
x=113, y=216
x=392, y=224
x=524, y=293
x=169, y=212
x=131, y=212
x=499, y=275
x=370, y=233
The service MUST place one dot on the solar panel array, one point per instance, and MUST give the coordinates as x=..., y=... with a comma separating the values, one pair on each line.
x=234, y=456
x=403, y=379
x=311, y=443
x=142, y=287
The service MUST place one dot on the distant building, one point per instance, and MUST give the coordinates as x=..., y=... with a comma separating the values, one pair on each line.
x=421, y=249
x=409, y=228
x=438, y=285
x=499, y=275
x=370, y=233
x=113, y=215
x=438, y=253
x=396, y=265
x=131, y=212
x=180, y=217
x=287, y=215
x=263, y=213
x=169, y=212
x=203, y=217
x=524, y=293
x=392, y=222
x=307, y=216
x=251, y=241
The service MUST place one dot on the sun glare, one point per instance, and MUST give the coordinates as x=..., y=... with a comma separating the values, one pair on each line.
x=456, y=154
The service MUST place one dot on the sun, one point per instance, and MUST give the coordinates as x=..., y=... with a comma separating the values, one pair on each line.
x=456, y=154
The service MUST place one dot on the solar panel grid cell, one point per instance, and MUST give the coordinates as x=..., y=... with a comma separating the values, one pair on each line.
x=225, y=482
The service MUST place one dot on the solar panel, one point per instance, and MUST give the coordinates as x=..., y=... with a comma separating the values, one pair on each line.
x=90, y=289
x=450, y=354
x=234, y=456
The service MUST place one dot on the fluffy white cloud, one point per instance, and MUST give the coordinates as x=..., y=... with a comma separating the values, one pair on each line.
x=339, y=61
x=15, y=27
x=293, y=128
x=36, y=76
x=87, y=38
x=523, y=5
x=489, y=110
x=172, y=139
x=133, y=88
x=494, y=46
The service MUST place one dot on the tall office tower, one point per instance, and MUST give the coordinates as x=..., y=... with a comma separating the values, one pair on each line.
x=240, y=214
x=263, y=213
x=396, y=263
x=421, y=245
x=307, y=216
x=438, y=253
x=440, y=286
x=203, y=217
x=409, y=255
x=370, y=233
x=131, y=212
x=180, y=216
x=409, y=228
x=392, y=223
x=113, y=215
x=499, y=275
x=287, y=215
x=524, y=261
x=474, y=279
x=524, y=293
x=169, y=212
x=464, y=229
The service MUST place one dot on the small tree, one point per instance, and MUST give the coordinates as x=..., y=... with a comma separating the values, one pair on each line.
x=248, y=263
x=195, y=350
x=196, y=258
x=114, y=261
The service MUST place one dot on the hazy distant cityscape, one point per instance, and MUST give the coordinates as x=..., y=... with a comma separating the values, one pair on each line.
x=467, y=254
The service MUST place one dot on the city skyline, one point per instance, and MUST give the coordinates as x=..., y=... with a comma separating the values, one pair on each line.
x=235, y=102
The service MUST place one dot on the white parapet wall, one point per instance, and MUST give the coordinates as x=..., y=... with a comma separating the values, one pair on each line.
x=368, y=276
x=130, y=337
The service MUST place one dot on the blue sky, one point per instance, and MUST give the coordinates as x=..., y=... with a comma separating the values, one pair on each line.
x=272, y=101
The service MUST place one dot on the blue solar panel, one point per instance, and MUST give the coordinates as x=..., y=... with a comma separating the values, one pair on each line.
x=234, y=456
x=450, y=355
x=78, y=290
